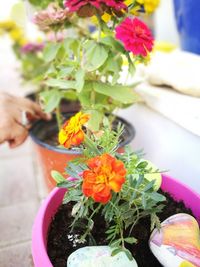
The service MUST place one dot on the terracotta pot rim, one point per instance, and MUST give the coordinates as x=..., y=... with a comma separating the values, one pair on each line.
x=33, y=133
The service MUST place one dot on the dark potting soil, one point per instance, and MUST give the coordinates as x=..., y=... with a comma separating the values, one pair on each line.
x=59, y=246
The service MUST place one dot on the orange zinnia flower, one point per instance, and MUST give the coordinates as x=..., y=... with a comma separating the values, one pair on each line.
x=71, y=133
x=106, y=173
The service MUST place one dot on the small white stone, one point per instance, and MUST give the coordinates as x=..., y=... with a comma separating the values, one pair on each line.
x=98, y=256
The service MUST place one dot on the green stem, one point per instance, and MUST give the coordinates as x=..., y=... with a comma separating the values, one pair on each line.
x=121, y=232
x=58, y=117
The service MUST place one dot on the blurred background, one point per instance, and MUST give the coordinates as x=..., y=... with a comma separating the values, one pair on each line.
x=167, y=125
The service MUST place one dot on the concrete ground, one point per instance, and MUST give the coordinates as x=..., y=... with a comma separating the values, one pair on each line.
x=21, y=192
x=21, y=187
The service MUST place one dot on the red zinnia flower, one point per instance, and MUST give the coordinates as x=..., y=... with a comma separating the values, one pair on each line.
x=87, y=8
x=106, y=173
x=136, y=36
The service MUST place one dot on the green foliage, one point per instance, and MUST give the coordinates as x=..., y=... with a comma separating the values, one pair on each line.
x=136, y=200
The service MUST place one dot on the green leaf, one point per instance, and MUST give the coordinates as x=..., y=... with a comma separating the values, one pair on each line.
x=128, y=254
x=96, y=118
x=123, y=94
x=66, y=184
x=65, y=71
x=130, y=240
x=95, y=55
x=157, y=197
x=116, y=251
x=80, y=80
x=71, y=45
x=51, y=51
x=72, y=195
x=57, y=177
x=115, y=243
x=61, y=83
x=142, y=165
x=113, y=43
x=150, y=185
x=51, y=99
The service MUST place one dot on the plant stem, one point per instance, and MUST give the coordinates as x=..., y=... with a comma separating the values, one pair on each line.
x=58, y=118
x=121, y=232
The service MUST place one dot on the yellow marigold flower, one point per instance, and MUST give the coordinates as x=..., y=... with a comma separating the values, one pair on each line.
x=72, y=133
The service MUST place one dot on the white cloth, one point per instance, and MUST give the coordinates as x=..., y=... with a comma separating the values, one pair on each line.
x=182, y=109
x=178, y=69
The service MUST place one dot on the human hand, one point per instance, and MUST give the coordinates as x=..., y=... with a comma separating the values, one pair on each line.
x=11, y=124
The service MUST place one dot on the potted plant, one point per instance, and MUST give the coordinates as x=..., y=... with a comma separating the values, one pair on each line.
x=111, y=199
x=88, y=66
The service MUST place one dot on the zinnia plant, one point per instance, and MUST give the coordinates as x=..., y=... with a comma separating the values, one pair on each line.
x=88, y=66
x=120, y=189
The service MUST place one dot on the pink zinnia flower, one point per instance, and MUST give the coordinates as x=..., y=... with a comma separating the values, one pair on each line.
x=136, y=36
x=32, y=48
x=53, y=16
x=89, y=7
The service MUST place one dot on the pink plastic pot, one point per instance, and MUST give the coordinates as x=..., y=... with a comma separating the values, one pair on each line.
x=49, y=207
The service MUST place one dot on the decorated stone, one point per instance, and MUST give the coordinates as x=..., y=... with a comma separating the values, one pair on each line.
x=177, y=244
x=98, y=256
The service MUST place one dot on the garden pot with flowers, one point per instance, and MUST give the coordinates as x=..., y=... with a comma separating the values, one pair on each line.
x=87, y=66
x=116, y=210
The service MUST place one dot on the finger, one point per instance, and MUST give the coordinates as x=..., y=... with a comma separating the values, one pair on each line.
x=18, y=136
x=18, y=118
x=33, y=108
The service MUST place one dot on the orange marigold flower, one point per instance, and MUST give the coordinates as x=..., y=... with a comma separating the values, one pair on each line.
x=106, y=173
x=72, y=133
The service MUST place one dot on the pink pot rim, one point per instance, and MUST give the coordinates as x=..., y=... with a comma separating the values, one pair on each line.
x=43, y=218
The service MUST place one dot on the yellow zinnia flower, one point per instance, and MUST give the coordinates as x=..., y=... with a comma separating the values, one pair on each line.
x=149, y=5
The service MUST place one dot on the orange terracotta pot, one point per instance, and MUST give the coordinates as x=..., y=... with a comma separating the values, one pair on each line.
x=55, y=158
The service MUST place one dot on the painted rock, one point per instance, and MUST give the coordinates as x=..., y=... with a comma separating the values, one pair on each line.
x=177, y=244
x=98, y=256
